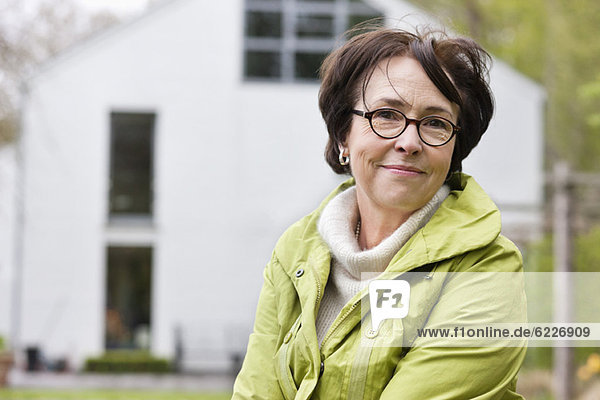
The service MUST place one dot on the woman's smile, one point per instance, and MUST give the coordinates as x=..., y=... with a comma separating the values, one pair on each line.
x=403, y=170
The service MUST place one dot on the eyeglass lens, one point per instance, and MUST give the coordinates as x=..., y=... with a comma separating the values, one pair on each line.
x=433, y=130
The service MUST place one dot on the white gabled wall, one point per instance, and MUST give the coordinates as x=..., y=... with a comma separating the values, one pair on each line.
x=508, y=162
x=235, y=164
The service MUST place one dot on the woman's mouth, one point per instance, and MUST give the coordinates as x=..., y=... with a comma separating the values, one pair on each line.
x=404, y=170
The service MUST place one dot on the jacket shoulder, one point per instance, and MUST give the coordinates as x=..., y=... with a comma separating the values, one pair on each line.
x=301, y=240
x=500, y=255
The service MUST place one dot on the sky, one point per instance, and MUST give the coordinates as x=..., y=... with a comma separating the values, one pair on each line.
x=119, y=7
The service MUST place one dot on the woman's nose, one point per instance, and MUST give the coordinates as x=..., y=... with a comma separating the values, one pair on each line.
x=409, y=142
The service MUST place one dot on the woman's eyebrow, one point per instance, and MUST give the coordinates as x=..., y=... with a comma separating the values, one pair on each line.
x=393, y=102
x=436, y=109
x=400, y=103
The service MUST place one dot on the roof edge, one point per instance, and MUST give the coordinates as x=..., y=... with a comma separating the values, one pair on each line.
x=94, y=39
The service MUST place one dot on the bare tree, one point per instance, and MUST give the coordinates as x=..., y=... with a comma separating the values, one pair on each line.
x=30, y=37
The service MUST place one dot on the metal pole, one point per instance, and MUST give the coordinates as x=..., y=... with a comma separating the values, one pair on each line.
x=562, y=281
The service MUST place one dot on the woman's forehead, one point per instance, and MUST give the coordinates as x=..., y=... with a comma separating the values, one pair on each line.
x=402, y=82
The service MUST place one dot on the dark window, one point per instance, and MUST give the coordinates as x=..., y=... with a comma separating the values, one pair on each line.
x=374, y=20
x=131, y=163
x=263, y=24
x=307, y=65
x=311, y=25
x=262, y=64
x=128, y=297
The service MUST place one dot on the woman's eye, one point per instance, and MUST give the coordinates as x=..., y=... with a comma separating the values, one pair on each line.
x=436, y=123
x=388, y=115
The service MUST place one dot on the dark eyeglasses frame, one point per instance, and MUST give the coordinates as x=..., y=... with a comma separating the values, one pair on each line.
x=369, y=115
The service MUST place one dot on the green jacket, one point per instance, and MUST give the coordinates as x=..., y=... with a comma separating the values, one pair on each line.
x=284, y=360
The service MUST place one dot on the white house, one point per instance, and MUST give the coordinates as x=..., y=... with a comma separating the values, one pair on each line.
x=162, y=160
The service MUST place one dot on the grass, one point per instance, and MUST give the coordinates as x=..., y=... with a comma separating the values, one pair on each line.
x=26, y=394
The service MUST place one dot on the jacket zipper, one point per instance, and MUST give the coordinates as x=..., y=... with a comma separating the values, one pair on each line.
x=360, y=366
x=339, y=322
x=318, y=299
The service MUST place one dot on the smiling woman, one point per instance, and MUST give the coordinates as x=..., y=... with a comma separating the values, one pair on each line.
x=402, y=111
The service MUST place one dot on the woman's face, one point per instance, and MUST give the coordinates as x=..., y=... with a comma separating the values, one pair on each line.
x=400, y=174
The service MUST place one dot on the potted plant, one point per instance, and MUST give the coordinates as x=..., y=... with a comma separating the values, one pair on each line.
x=6, y=362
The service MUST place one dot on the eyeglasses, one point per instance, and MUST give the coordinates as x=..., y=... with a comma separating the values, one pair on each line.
x=389, y=123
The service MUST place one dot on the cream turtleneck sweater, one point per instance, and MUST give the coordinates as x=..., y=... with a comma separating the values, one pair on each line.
x=337, y=226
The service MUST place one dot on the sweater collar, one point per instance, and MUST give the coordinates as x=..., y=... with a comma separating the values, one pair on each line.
x=337, y=228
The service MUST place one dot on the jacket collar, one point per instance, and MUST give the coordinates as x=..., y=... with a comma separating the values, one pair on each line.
x=467, y=220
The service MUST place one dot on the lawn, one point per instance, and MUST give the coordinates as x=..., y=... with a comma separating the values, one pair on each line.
x=24, y=394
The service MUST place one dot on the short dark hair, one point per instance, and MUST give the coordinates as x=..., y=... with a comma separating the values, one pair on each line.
x=457, y=66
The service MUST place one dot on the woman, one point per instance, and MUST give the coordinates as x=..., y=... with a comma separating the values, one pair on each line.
x=402, y=111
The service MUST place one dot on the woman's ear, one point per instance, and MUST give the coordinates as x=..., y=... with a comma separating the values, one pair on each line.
x=343, y=144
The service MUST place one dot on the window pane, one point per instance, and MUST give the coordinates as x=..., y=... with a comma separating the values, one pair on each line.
x=372, y=22
x=263, y=24
x=128, y=297
x=308, y=64
x=131, y=163
x=354, y=20
x=312, y=25
x=262, y=64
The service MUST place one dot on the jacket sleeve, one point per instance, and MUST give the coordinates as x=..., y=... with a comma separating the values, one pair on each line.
x=257, y=379
x=437, y=373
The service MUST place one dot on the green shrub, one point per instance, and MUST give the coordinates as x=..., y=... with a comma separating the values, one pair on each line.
x=586, y=253
x=127, y=361
x=2, y=343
